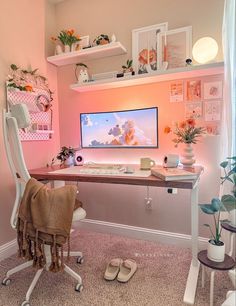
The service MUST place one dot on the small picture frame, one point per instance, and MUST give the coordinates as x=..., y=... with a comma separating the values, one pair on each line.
x=145, y=47
x=84, y=42
x=175, y=46
x=212, y=90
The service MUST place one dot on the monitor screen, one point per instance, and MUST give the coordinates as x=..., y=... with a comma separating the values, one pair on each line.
x=136, y=128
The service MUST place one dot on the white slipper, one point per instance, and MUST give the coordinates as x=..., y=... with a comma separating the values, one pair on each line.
x=113, y=269
x=127, y=270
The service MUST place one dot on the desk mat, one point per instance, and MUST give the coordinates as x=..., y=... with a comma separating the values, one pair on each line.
x=105, y=172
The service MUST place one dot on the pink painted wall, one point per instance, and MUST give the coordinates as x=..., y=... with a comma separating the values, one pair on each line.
x=117, y=203
x=125, y=204
x=22, y=31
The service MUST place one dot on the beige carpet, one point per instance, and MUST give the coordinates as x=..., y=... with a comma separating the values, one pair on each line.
x=159, y=281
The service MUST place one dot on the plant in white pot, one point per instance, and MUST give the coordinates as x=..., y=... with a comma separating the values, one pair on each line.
x=229, y=200
x=216, y=247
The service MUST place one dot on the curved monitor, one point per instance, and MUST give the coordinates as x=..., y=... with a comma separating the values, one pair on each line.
x=136, y=128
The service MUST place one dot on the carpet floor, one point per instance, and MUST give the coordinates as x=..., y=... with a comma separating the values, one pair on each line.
x=159, y=281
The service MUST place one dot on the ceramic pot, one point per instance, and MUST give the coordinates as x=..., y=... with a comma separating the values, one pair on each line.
x=67, y=48
x=232, y=217
x=216, y=252
x=58, y=50
x=187, y=159
x=70, y=161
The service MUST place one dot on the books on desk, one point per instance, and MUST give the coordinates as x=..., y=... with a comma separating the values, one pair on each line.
x=173, y=174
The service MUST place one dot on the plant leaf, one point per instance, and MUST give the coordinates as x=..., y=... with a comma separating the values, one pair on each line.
x=207, y=209
x=224, y=164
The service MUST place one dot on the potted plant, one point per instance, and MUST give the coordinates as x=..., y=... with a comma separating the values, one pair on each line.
x=68, y=39
x=128, y=68
x=66, y=156
x=229, y=200
x=102, y=39
x=216, y=247
x=188, y=133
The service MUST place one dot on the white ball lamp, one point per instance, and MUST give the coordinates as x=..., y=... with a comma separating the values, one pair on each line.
x=205, y=50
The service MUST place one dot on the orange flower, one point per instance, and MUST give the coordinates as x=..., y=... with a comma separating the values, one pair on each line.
x=78, y=37
x=167, y=130
x=28, y=88
x=182, y=124
x=191, y=122
x=70, y=32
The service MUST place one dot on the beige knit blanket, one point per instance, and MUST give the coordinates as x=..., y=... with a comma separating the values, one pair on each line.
x=45, y=217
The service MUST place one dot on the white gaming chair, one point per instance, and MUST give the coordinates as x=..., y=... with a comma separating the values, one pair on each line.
x=18, y=117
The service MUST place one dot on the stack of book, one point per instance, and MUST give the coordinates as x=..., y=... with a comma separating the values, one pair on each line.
x=173, y=174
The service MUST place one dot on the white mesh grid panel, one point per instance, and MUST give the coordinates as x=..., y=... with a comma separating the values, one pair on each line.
x=42, y=119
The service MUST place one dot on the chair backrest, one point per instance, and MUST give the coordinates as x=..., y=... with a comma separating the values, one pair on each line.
x=14, y=152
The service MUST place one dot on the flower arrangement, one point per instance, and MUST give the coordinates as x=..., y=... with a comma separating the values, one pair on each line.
x=68, y=37
x=185, y=132
x=102, y=39
x=27, y=80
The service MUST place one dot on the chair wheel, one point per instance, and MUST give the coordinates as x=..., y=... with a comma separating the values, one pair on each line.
x=25, y=303
x=80, y=259
x=79, y=287
x=6, y=281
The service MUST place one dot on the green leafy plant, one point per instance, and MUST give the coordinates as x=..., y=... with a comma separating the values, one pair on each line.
x=214, y=209
x=67, y=37
x=65, y=153
x=128, y=66
x=227, y=202
x=229, y=167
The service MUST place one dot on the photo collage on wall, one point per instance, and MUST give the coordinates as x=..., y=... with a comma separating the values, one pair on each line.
x=202, y=100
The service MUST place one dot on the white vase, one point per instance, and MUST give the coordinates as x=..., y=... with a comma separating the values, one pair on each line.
x=73, y=47
x=66, y=48
x=58, y=50
x=187, y=159
x=216, y=252
x=232, y=217
x=70, y=161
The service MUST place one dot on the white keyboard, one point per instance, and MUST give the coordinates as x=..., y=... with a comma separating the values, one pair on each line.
x=100, y=171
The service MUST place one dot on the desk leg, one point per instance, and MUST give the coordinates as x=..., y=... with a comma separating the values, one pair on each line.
x=191, y=285
x=57, y=184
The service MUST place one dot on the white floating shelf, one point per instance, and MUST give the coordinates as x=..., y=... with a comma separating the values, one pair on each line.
x=159, y=76
x=111, y=49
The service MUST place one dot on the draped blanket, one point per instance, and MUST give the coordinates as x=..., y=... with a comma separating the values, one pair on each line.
x=45, y=217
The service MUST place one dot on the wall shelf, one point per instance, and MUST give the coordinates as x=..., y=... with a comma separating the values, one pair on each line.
x=111, y=49
x=160, y=76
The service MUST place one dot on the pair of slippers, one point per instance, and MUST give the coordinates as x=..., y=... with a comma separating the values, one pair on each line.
x=121, y=270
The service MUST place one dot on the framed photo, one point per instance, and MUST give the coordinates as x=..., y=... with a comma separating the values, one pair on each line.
x=193, y=110
x=145, y=47
x=212, y=90
x=193, y=90
x=176, y=91
x=175, y=46
x=212, y=110
x=84, y=42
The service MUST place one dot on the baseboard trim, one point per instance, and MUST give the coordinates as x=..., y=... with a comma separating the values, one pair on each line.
x=8, y=249
x=141, y=233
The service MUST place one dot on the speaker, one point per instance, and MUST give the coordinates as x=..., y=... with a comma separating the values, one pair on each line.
x=79, y=161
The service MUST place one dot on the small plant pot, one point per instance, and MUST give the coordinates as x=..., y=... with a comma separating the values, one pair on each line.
x=232, y=217
x=70, y=161
x=216, y=252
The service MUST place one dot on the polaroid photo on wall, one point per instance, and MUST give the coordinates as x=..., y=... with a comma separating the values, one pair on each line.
x=193, y=110
x=176, y=91
x=212, y=110
x=213, y=90
x=193, y=90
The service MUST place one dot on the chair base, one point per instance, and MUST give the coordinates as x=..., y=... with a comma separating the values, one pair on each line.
x=79, y=287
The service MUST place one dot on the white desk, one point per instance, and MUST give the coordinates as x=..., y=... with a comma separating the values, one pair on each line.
x=52, y=173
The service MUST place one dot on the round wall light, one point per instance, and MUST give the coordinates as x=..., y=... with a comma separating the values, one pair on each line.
x=205, y=50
